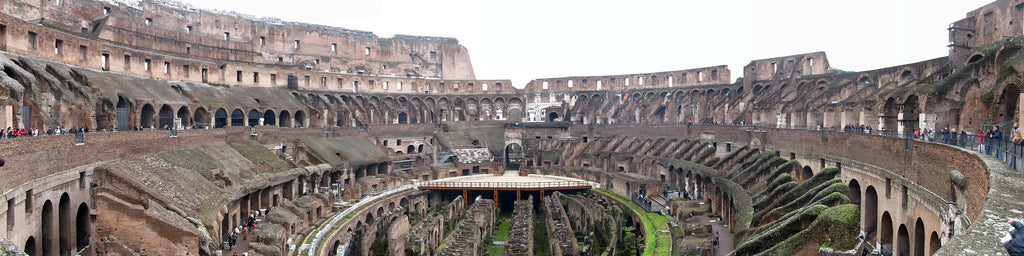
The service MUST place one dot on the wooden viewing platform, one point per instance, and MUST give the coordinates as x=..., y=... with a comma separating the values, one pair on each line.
x=510, y=181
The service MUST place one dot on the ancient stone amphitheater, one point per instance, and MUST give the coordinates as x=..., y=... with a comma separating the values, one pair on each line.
x=169, y=130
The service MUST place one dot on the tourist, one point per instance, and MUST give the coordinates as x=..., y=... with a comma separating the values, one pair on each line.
x=1015, y=245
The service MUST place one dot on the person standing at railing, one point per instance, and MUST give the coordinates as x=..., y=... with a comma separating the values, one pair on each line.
x=981, y=141
x=995, y=139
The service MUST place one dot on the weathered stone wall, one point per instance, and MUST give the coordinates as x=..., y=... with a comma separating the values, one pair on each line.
x=520, y=239
x=563, y=240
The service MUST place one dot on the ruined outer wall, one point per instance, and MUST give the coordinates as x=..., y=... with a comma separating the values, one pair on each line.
x=204, y=46
x=688, y=77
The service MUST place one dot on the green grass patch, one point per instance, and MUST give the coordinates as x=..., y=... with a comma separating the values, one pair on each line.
x=655, y=243
x=501, y=232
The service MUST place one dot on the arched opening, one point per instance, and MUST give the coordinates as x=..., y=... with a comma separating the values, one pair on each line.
x=202, y=118
x=806, y=173
x=870, y=211
x=286, y=119
x=975, y=58
x=254, y=117
x=552, y=116
x=906, y=76
x=919, y=237
x=411, y=149
x=220, y=118
x=934, y=243
x=369, y=218
x=65, y=221
x=166, y=117
x=269, y=118
x=300, y=119
x=334, y=248
x=910, y=112
x=30, y=246
x=403, y=118
x=903, y=245
x=82, y=227
x=888, y=115
x=885, y=234
x=1008, y=102
x=48, y=236
x=237, y=118
x=855, y=193
x=419, y=149
x=513, y=156
x=146, y=118
x=186, y=119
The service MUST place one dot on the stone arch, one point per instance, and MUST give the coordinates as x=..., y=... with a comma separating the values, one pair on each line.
x=513, y=156
x=934, y=243
x=30, y=246
x=286, y=119
x=910, y=111
x=919, y=236
x=419, y=149
x=403, y=118
x=83, y=227
x=888, y=116
x=975, y=58
x=553, y=116
x=380, y=211
x=410, y=149
x=47, y=223
x=300, y=119
x=146, y=116
x=855, y=193
x=254, y=117
x=334, y=248
x=186, y=118
x=906, y=76
x=237, y=118
x=369, y=218
x=870, y=208
x=269, y=118
x=806, y=173
x=64, y=219
x=1008, y=99
x=166, y=117
x=903, y=240
x=885, y=232
x=220, y=118
x=201, y=118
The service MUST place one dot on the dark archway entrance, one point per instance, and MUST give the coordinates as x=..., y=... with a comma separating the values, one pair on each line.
x=65, y=221
x=186, y=119
x=166, y=117
x=30, y=246
x=513, y=156
x=870, y=209
x=237, y=118
x=552, y=116
x=48, y=236
x=286, y=119
x=146, y=117
x=202, y=118
x=806, y=173
x=82, y=227
x=269, y=118
x=855, y=193
x=300, y=119
x=403, y=118
x=221, y=118
x=885, y=234
x=254, y=117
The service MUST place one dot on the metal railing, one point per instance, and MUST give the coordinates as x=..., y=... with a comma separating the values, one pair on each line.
x=486, y=184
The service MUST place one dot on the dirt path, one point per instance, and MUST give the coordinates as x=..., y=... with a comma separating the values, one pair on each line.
x=725, y=242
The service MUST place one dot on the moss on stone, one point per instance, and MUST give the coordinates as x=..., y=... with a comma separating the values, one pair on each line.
x=259, y=154
x=958, y=179
x=839, y=226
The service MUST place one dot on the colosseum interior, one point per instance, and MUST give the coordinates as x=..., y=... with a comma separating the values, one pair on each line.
x=169, y=130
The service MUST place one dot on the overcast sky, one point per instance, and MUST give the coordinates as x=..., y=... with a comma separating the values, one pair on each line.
x=526, y=39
